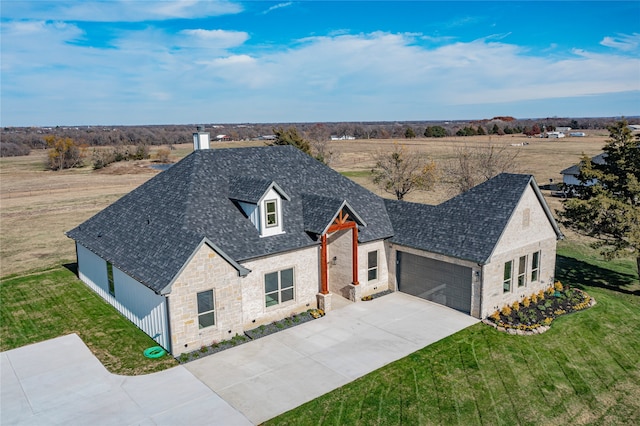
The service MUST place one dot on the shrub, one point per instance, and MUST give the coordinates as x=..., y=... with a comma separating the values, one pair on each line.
x=495, y=316
x=516, y=306
x=11, y=149
x=534, y=298
x=550, y=290
x=162, y=155
x=506, y=310
x=541, y=295
x=526, y=302
x=558, y=286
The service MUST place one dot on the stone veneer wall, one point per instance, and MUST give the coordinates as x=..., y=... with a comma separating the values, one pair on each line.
x=382, y=283
x=528, y=231
x=306, y=275
x=340, y=275
x=205, y=271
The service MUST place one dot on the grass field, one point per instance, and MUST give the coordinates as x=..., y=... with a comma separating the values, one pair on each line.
x=52, y=303
x=585, y=370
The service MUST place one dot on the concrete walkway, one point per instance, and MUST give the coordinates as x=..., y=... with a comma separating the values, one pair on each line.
x=277, y=373
x=60, y=382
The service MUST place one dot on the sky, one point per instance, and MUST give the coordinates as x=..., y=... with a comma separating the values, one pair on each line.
x=137, y=62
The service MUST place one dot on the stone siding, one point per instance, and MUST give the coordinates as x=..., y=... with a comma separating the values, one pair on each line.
x=381, y=283
x=207, y=270
x=527, y=232
x=306, y=275
x=340, y=275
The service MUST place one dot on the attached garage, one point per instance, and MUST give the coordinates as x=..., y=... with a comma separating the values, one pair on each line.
x=435, y=280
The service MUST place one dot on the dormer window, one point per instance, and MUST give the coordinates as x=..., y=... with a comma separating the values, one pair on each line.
x=262, y=202
x=271, y=213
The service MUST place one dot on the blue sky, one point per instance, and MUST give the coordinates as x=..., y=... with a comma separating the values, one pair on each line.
x=125, y=62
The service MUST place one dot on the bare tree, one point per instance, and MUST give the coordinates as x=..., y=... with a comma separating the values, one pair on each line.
x=472, y=165
x=402, y=171
x=319, y=136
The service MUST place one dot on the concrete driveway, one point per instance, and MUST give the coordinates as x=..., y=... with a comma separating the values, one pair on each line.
x=60, y=381
x=277, y=373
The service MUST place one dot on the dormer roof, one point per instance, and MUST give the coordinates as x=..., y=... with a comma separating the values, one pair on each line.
x=252, y=189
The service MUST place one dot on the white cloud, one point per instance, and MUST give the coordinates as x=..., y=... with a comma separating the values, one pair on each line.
x=117, y=10
x=153, y=76
x=624, y=42
x=277, y=6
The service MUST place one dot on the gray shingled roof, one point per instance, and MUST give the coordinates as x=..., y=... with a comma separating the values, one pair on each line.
x=151, y=232
x=467, y=226
x=575, y=169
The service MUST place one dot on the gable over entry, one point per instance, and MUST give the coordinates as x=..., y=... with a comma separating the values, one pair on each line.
x=324, y=216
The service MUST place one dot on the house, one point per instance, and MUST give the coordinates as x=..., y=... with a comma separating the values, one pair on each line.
x=555, y=135
x=570, y=174
x=226, y=240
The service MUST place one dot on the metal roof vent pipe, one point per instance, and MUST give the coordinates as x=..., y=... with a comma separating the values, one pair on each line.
x=201, y=139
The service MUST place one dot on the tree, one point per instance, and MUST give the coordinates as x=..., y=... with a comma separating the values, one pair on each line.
x=409, y=133
x=481, y=131
x=472, y=165
x=609, y=208
x=435, y=132
x=402, y=171
x=63, y=153
x=290, y=136
x=319, y=137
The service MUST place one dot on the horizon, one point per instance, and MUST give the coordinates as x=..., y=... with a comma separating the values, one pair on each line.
x=232, y=62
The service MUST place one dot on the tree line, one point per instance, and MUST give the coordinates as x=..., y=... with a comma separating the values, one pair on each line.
x=20, y=140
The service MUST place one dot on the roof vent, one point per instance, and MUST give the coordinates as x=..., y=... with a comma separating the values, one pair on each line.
x=200, y=139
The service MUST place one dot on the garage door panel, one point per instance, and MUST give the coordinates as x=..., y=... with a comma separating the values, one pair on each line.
x=441, y=282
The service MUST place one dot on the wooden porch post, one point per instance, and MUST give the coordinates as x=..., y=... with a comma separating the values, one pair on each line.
x=354, y=253
x=323, y=265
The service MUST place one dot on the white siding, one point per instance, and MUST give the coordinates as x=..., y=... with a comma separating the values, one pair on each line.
x=136, y=302
x=253, y=213
x=272, y=194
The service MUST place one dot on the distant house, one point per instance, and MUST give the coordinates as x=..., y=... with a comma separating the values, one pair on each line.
x=342, y=138
x=226, y=240
x=222, y=138
x=555, y=135
x=570, y=175
x=578, y=134
x=563, y=129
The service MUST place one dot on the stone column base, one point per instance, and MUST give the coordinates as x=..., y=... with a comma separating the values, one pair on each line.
x=324, y=301
x=355, y=292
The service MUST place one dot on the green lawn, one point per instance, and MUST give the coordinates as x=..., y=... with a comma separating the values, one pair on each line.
x=357, y=174
x=52, y=303
x=585, y=370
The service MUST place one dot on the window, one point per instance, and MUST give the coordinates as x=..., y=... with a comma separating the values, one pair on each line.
x=206, y=309
x=535, y=266
x=522, y=271
x=506, y=283
x=112, y=287
x=372, y=265
x=278, y=287
x=271, y=213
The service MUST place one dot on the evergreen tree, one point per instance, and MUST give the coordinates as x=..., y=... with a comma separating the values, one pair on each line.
x=609, y=207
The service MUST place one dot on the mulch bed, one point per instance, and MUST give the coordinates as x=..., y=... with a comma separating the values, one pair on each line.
x=376, y=295
x=249, y=335
x=542, y=309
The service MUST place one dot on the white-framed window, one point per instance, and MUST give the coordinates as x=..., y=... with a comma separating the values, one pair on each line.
x=271, y=213
x=522, y=271
x=535, y=266
x=110, y=283
x=278, y=287
x=372, y=265
x=508, y=271
x=206, y=309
